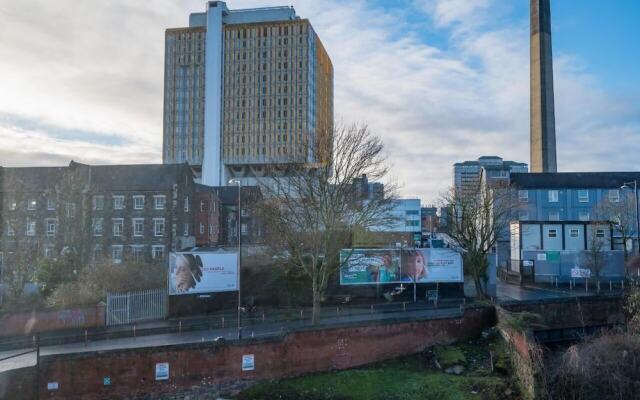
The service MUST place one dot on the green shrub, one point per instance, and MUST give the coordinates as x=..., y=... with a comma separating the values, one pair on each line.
x=52, y=273
x=449, y=356
x=96, y=281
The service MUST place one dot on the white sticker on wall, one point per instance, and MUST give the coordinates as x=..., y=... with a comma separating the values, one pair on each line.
x=248, y=362
x=162, y=371
x=542, y=256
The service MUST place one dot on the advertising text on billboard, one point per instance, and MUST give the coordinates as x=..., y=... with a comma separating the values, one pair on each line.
x=422, y=265
x=201, y=272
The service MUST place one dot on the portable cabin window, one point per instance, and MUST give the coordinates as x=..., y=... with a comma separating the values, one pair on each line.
x=583, y=196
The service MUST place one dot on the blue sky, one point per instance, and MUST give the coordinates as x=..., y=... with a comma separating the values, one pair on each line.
x=440, y=81
x=604, y=36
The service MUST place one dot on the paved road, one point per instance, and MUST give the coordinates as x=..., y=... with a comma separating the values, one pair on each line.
x=209, y=335
x=508, y=292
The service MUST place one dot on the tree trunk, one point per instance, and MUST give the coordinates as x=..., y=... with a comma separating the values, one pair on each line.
x=315, y=312
x=480, y=293
x=317, y=296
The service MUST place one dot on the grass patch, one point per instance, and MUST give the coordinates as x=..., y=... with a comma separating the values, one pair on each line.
x=449, y=356
x=405, y=378
x=371, y=384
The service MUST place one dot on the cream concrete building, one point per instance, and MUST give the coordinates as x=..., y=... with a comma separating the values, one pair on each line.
x=246, y=91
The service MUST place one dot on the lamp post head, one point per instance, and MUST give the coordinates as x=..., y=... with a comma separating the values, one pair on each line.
x=234, y=182
x=627, y=185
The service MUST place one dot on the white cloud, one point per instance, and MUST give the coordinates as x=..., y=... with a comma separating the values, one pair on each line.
x=97, y=67
x=464, y=13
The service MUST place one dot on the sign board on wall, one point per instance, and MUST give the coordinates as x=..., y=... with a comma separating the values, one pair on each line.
x=248, y=362
x=201, y=272
x=578, y=272
x=53, y=386
x=372, y=266
x=162, y=371
x=553, y=256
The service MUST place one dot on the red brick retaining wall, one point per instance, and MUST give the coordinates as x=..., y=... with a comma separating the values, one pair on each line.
x=131, y=373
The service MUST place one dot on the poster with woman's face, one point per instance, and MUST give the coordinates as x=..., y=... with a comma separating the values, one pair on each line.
x=192, y=273
x=414, y=266
x=374, y=266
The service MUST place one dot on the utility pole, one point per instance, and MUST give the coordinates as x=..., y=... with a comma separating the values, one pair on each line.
x=239, y=231
x=635, y=194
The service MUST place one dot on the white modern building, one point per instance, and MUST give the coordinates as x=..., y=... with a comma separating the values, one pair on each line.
x=406, y=217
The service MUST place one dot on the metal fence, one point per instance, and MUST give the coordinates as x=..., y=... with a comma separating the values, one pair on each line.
x=131, y=307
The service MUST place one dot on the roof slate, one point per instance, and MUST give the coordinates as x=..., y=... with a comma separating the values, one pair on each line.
x=569, y=180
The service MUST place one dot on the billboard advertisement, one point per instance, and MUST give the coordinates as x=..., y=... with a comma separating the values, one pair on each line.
x=201, y=272
x=367, y=266
x=373, y=266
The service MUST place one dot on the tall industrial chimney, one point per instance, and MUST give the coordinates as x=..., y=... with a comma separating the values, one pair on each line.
x=543, y=125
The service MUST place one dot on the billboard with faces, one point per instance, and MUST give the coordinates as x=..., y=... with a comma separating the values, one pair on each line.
x=375, y=266
x=202, y=272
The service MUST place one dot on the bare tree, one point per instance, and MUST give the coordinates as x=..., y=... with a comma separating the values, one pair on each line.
x=20, y=245
x=312, y=211
x=20, y=268
x=73, y=213
x=479, y=217
x=594, y=256
x=622, y=214
x=25, y=230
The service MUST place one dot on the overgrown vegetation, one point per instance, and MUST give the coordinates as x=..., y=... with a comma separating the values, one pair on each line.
x=605, y=367
x=632, y=307
x=519, y=321
x=65, y=282
x=52, y=273
x=413, y=377
x=95, y=281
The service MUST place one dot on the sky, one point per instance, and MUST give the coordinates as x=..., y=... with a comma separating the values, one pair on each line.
x=441, y=81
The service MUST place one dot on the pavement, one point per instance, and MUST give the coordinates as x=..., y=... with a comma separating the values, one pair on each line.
x=509, y=292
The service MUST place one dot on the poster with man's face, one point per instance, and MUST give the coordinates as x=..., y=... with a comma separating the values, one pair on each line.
x=200, y=272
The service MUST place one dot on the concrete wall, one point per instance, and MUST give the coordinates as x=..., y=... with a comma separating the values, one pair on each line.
x=132, y=371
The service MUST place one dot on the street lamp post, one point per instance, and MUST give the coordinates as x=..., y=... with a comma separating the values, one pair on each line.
x=635, y=193
x=237, y=182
